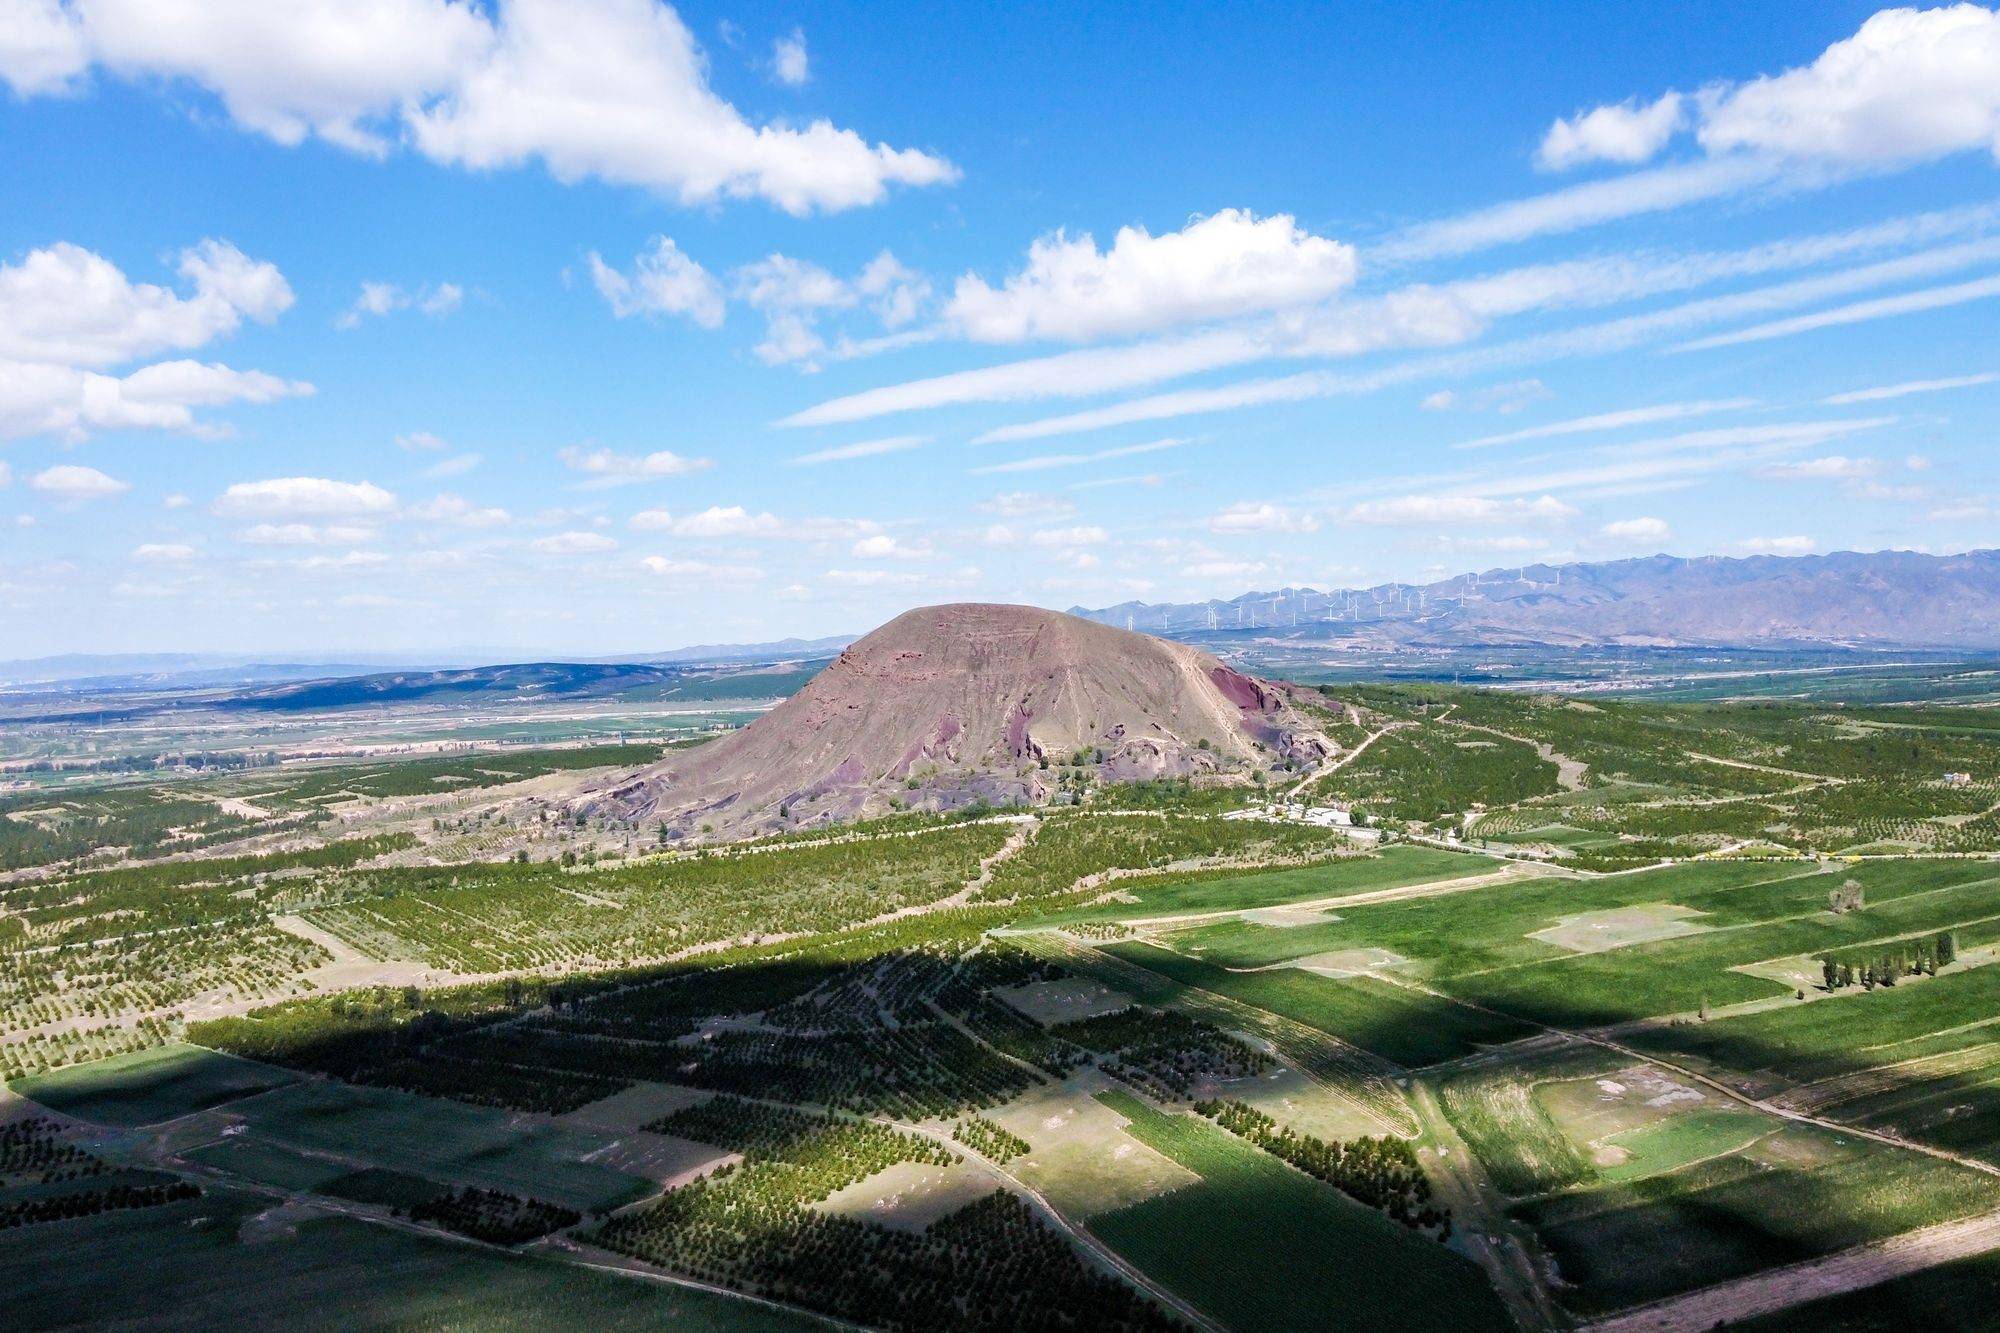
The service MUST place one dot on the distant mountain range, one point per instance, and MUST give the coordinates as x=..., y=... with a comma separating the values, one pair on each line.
x=113, y=673
x=1884, y=599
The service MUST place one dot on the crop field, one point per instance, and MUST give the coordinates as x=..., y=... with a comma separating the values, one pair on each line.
x=1070, y=848
x=228, y=1272
x=1255, y=1242
x=1494, y=1105
x=506, y=917
x=841, y=1072
x=1608, y=784
x=1394, y=867
x=1938, y=1297
x=1791, y=1196
x=440, y=1140
x=147, y=1087
x=1398, y=1024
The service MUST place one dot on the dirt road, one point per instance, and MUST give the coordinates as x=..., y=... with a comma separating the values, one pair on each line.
x=1781, y=1288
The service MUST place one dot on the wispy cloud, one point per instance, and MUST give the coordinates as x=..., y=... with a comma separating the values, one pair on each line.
x=1882, y=393
x=1047, y=461
x=1635, y=416
x=1885, y=307
x=842, y=453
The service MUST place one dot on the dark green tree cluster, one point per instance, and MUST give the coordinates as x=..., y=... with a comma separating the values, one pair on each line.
x=989, y=1267
x=1381, y=1172
x=33, y=1151
x=493, y=1216
x=988, y=1139
x=91, y=1202
x=1163, y=1051
x=817, y=1144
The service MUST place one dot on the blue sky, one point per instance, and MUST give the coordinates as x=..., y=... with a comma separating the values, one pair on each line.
x=599, y=326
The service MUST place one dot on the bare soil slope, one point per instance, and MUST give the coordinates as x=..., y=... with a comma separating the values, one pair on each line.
x=948, y=705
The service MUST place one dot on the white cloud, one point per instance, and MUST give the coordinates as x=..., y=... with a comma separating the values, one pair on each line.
x=6, y=475
x=421, y=442
x=306, y=534
x=459, y=512
x=794, y=294
x=1422, y=510
x=841, y=453
x=304, y=497
x=1910, y=85
x=663, y=281
x=1427, y=316
x=875, y=578
x=734, y=521
x=1219, y=267
x=455, y=466
x=333, y=564
x=615, y=90
x=1225, y=570
x=383, y=298
x=1029, y=504
x=1883, y=392
x=68, y=481
x=42, y=47
x=1832, y=467
x=572, y=543
x=1043, y=462
x=1636, y=416
x=1505, y=399
x=605, y=468
x=1066, y=374
x=1251, y=516
x=1637, y=530
x=699, y=569
x=1933, y=298
x=65, y=311
x=1509, y=544
x=1084, y=535
x=162, y=553
x=65, y=305
x=1625, y=133
x=881, y=546
x=1777, y=545
x=789, y=63
x=898, y=293
x=1650, y=191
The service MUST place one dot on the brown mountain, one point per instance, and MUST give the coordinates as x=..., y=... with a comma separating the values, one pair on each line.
x=948, y=705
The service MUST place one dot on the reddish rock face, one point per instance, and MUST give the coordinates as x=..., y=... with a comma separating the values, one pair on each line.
x=968, y=700
x=1241, y=690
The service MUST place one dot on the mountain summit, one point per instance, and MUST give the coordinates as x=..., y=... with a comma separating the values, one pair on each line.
x=948, y=705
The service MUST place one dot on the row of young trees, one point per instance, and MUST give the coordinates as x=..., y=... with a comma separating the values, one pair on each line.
x=1916, y=958
x=1381, y=1172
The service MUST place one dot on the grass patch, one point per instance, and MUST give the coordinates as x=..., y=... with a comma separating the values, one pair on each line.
x=1679, y=1140
x=1795, y=1195
x=147, y=1087
x=388, y=1189
x=1402, y=1025
x=1392, y=868
x=1259, y=1245
x=446, y=1141
x=334, y=1272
